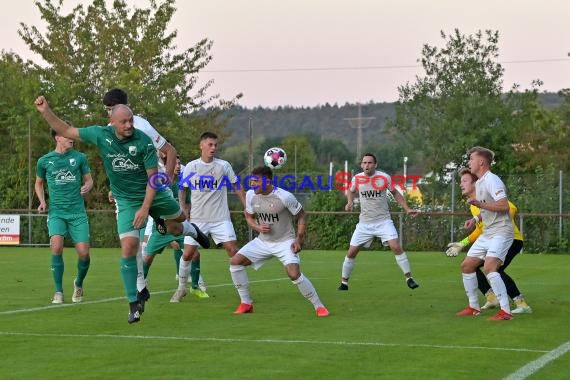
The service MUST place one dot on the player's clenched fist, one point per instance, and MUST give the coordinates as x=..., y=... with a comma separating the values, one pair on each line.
x=41, y=103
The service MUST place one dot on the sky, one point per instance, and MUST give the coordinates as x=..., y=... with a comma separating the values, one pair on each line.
x=305, y=53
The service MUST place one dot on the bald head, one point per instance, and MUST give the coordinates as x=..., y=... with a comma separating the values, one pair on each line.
x=121, y=118
x=120, y=110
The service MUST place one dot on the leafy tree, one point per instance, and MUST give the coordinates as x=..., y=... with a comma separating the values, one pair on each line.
x=459, y=102
x=300, y=154
x=18, y=84
x=311, y=147
x=95, y=48
x=390, y=154
x=89, y=51
x=542, y=135
x=564, y=110
x=299, y=145
x=265, y=144
x=330, y=150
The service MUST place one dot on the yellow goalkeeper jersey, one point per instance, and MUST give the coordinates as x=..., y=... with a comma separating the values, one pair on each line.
x=475, y=211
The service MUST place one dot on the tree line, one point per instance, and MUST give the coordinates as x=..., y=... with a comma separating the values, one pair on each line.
x=458, y=102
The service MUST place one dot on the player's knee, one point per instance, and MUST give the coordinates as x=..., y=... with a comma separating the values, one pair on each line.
x=173, y=227
x=468, y=267
x=239, y=260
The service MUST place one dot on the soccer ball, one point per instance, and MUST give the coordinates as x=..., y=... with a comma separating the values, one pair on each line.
x=275, y=158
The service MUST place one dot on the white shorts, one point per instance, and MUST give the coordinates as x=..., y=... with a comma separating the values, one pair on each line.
x=148, y=228
x=221, y=232
x=494, y=246
x=259, y=252
x=364, y=234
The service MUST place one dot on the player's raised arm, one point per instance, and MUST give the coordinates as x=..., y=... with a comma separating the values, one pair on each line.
x=169, y=151
x=58, y=125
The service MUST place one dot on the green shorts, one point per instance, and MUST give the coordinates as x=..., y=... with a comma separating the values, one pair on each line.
x=157, y=242
x=76, y=225
x=164, y=205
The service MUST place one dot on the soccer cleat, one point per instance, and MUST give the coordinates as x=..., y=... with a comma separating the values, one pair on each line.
x=77, y=294
x=160, y=226
x=57, y=298
x=501, y=316
x=322, y=311
x=142, y=297
x=199, y=293
x=492, y=301
x=343, y=286
x=134, y=314
x=244, y=308
x=411, y=283
x=522, y=308
x=468, y=311
x=178, y=295
x=201, y=238
x=134, y=317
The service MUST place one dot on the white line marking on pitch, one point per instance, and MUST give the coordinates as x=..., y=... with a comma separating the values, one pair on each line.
x=271, y=341
x=534, y=366
x=47, y=307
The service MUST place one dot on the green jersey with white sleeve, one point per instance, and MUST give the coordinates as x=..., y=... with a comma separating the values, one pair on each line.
x=126, y=161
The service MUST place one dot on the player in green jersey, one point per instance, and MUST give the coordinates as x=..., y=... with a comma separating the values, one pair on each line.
x=157, y=242
x=68, y=177
x=130, y=163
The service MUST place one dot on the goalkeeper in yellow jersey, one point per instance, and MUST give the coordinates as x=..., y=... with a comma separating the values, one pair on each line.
x=467, y=185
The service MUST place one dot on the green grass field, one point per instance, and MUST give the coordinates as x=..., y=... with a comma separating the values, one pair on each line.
x=379, y=329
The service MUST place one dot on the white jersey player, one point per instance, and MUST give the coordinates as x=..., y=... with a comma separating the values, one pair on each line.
x=375, y=221
x=209, y=179
x=270, y=211
x=492, y=246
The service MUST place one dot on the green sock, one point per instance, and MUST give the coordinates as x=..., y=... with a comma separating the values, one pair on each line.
x=82, y=269
x=129, y=274
x=57, y=268
x=177, y=256
x=195, y=273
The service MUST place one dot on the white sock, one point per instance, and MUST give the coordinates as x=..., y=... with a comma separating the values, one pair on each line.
x=347, y=267
x=500, y=290
x=141, y=282
x=183, y=270
x=188, y=229
x=470, y=285
x=241, y=282
x=403, y=263
x=308, y=290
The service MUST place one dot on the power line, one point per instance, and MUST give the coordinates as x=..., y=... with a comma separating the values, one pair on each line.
x=356, y=68
x=314, y=69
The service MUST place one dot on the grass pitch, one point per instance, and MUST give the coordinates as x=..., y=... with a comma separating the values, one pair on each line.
x=379, y=329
